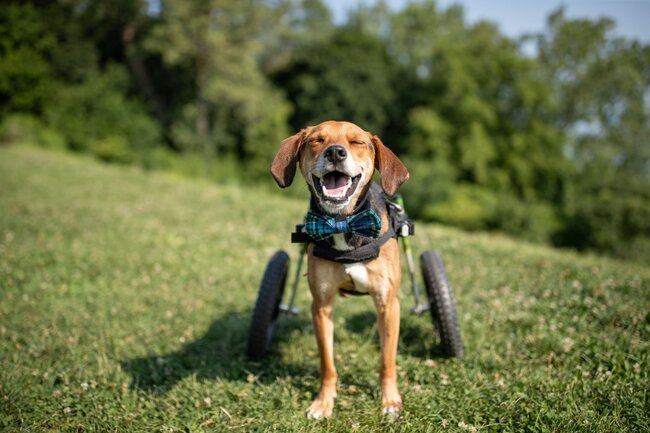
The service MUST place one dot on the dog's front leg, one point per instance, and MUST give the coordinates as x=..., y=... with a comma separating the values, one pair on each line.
x=321, y=310
x=388, y=316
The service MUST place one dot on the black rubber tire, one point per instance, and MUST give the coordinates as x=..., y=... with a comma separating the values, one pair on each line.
x=267, y=306
x=442, y=304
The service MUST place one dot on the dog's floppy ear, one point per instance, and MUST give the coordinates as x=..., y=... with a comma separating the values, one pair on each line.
x=392, y=172
x=283, y=167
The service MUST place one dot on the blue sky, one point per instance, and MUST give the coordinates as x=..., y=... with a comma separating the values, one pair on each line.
x=517, y=17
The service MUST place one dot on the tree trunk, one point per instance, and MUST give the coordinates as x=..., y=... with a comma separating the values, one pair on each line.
x=202, y=107
x=140, y=72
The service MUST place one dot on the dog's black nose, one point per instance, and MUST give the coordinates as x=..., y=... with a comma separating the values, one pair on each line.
x=336, y=153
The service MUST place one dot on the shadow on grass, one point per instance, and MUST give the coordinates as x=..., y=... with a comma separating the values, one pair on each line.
x=418, y=337
x=219, y=354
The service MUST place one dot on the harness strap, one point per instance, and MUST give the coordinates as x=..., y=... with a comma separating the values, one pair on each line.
x=365, y=252
x=353, y=292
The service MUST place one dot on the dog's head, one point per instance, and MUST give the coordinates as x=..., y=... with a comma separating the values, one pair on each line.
x=337, y=159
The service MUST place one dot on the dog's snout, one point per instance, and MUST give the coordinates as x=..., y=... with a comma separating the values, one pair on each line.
x=336, y=153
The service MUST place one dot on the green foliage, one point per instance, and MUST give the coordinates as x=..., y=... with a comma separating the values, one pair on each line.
x=491, y=107
x=96, y=115
x=611, y=215
x=113, y=148
x=601, y=83
x=235, y=109
x=436, y=182
x=468, y=206
x=299, y=23
x=438, y=198
x=346, y=77
x=266, y=129
x=429, y=135
x=40, y=46
x=21, y=128
x=602, y=86
x=476, y=153
x=25, y=71
x=482, y=115
x=535, y=221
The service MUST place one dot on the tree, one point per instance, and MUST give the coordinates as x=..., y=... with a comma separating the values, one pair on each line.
x=117, y=29
x=601, y=84
x=98, y=116
x=37, y=53
x=347, y=77
x=300, y=23
x=478, y=103
x=220, y=40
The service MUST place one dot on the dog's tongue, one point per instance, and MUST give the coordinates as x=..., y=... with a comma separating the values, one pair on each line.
x=335, y=183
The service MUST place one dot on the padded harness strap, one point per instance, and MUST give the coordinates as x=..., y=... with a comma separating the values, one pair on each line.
x=365, y=252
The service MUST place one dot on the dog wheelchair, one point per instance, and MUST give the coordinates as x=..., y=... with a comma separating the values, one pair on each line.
x=440, y=301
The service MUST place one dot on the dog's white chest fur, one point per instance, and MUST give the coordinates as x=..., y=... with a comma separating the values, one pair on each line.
x=359, y=275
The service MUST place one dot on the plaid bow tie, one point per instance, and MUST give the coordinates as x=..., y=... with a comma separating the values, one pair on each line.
x=365, y=223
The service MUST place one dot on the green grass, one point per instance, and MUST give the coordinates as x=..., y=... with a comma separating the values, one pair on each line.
x=126, y=297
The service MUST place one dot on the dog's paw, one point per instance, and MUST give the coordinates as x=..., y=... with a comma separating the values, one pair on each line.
x=392, y=407
x=320, y=408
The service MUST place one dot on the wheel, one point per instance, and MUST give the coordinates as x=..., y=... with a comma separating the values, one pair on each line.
x=442, y=304
x=267, y=306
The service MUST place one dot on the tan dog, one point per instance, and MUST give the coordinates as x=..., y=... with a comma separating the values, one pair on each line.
x=338, y=159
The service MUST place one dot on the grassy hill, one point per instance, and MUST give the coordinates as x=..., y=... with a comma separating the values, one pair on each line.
x=126, y=296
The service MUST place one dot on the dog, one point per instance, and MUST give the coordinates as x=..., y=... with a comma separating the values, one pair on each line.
x=338, y=160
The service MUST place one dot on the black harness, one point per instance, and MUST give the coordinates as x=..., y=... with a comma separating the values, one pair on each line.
x=366, y=248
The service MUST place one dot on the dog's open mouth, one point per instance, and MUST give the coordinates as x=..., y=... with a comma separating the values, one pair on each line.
x=336, y=186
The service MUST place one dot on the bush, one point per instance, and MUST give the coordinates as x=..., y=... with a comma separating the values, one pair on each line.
x=430, y=182
x=612, y=216
x=535, y=221
x=431, y=194
x=22, y=128
x=264, y=134
x=247, y=136
x=96, y=116
x=113, y=148
x=468, y=206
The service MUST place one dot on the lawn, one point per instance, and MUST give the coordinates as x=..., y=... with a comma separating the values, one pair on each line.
x=126, y=298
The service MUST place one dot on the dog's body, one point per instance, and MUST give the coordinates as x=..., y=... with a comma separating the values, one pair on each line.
x=338, y=159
